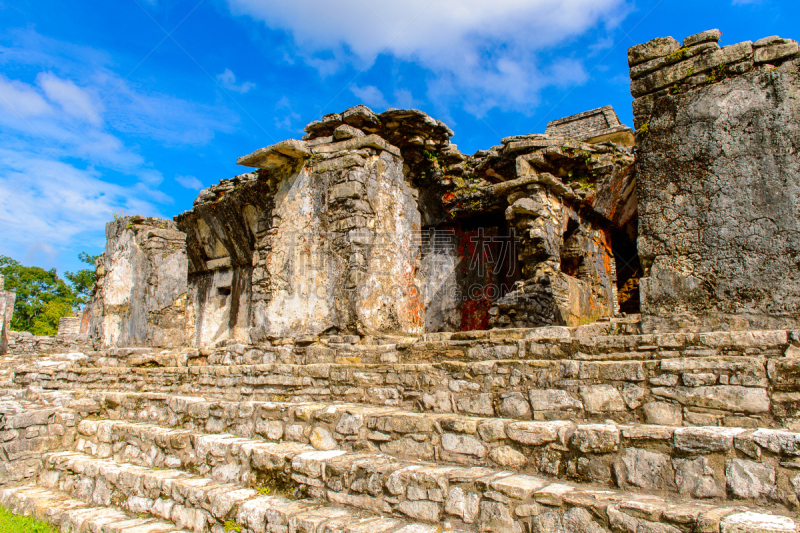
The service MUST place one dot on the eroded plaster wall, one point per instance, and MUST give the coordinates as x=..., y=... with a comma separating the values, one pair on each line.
x=7, y=299
x=141, y=296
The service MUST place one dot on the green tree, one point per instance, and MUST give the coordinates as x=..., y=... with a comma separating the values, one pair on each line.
x=83, y=280
x=42, y=297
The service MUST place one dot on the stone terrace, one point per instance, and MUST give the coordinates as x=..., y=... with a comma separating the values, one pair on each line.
x=593, y=428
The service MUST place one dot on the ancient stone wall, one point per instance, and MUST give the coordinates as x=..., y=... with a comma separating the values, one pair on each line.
x=140, y=296
x=7, y=299
x=322, y=238
x=566, y=203
x=376, y=223
x=718, y=181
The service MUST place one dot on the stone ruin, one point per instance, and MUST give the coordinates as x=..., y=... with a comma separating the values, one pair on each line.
x=7, y=299
x=378, y=224
x=581, y=331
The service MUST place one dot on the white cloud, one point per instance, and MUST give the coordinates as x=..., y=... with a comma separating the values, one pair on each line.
x=190, y=182
x=70, y=157
x=47, y=204
x=286, y=118
x=404, y=99
x=72, y=99
x=370, y=95
x=22, y=100
x=374, y=98
x=489, y=50
x=228, y=81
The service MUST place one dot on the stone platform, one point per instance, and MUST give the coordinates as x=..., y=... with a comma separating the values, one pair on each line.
x=587, y=429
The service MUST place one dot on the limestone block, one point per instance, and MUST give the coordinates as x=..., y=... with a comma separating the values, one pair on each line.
x=705, y=439
x=702, y=37
x=774, y=52
x=345, y=132
x=479, y=404
x=658, y=47
x=685, y=53
x=595, y=438
x=663, y=413
x=553, y=399
x=463, y=504
x=508, y=457
x=648, y=470
x=727, y=397
x=539, y=433
x=696, y=478
x=514, y=405
x=697, y=65
x=778, y=441
x=519, y=487
x=276, y=156
x=368, y=141
x=463, y=444
x=752, y=522
x=749, y=479
x=601, y=399
x=420, y=510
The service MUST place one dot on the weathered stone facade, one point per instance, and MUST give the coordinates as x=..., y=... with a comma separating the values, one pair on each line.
x=141, y=295
x=322, y=240
x=719, y=182
x=7, y=299
x=377, y=224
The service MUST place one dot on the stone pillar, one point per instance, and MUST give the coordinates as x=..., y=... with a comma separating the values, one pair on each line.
x=7, y=299
x=718, y=182
x=141, y=293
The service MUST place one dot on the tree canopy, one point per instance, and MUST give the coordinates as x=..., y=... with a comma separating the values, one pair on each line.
x=83, y=280
x=42, y=297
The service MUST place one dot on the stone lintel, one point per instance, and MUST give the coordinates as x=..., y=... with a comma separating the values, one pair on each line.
x=278, y=155
x=368, y=141
x=621, y=135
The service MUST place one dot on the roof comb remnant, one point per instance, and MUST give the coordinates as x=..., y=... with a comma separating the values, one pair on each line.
x=593, y=126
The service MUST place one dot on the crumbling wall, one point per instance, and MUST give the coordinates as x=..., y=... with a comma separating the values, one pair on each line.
x=376, y=223
x=323, y=237
x=562, y=200
x=718, y=182
x=141, y=294
x=7, y=299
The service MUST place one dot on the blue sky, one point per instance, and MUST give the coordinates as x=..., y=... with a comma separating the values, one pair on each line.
x=132, y=106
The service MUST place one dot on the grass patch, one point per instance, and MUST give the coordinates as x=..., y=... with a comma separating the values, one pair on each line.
x=11, y=523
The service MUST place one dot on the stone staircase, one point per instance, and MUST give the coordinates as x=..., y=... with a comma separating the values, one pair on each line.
x=574, y=430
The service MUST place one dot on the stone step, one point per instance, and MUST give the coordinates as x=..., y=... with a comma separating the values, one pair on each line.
x=74, y=516
x=27, y=430
x=760, y=465
x=550, y=343
x=201, y=504
x=472, y=498
x=742, y=391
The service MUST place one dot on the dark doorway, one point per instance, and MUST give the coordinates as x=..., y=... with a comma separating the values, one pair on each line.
x=629, y=270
